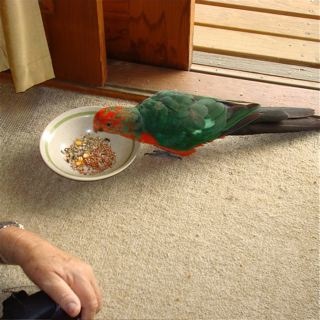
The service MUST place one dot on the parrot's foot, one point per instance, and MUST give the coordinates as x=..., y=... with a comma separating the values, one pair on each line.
x=164, y=154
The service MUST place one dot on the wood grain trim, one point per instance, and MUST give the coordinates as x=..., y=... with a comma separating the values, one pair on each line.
x=102, y=42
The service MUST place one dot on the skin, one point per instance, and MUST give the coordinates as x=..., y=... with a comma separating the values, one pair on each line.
x=69, y=281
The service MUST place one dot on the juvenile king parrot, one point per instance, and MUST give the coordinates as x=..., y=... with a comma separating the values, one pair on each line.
x=179, y=122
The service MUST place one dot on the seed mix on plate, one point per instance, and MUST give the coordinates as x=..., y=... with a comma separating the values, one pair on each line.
x=90, y=154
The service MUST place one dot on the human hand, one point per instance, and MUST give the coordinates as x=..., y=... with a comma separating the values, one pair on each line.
x=69, y=281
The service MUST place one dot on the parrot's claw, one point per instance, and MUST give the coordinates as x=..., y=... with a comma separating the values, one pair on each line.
x=164, y=154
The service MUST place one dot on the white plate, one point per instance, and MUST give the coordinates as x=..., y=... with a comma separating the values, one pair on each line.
x=63, y=130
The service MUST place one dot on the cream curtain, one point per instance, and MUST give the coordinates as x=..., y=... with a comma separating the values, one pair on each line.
x=23, y=45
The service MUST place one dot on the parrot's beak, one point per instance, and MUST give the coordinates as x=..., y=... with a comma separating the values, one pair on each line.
x=96, y=125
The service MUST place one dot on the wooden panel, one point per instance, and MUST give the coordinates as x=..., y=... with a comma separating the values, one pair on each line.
x=155, y=32
x=257, y=66
x=75, y=33
x=259, y=77
x=117, y=28
x=257, y=22
x=116, y=6
x=299, y=8
x=256, y=46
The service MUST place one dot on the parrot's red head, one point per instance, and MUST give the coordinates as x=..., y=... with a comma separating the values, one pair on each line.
x=117, y=120
x=108, y=119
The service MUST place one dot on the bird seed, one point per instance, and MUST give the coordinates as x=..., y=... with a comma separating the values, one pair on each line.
x=90, y=155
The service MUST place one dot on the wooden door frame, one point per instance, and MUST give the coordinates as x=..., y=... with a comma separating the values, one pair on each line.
x=76, y=39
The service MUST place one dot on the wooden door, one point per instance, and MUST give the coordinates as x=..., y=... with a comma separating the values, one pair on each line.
x=76, y=39
x=157, y=32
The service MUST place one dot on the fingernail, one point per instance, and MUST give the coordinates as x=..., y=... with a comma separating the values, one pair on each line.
x=72, y=308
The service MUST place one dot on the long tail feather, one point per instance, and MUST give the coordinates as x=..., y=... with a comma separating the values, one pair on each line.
x=281, y=120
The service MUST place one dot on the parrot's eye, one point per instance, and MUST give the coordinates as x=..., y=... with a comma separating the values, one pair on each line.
x=108, y=124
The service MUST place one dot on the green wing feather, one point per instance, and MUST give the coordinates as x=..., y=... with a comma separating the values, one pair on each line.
x=183, y=121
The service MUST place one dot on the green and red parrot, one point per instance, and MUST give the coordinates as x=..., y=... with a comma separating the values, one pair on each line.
x=179, y=122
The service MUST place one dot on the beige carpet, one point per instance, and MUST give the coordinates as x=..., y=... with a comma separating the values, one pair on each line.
x=229, y=233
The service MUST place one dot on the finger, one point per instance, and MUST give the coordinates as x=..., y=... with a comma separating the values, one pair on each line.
x=98, y=292
x=62, y=294
x=88, y=298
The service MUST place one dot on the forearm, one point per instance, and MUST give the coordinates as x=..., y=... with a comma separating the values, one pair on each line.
x=14, y=242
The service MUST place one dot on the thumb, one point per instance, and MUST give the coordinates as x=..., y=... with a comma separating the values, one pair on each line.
x=63, y=295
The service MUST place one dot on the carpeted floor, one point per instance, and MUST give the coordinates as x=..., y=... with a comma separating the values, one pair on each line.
x=228, y=233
